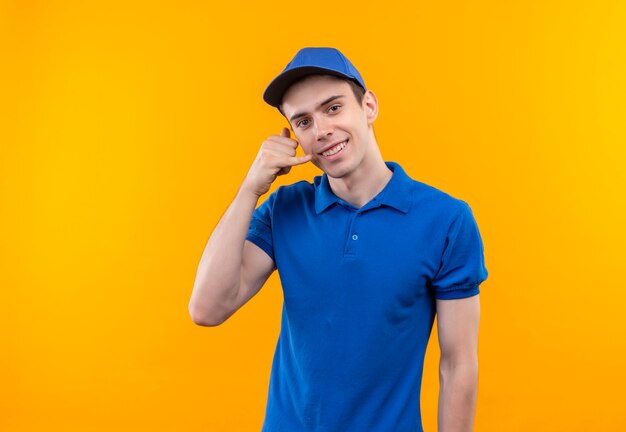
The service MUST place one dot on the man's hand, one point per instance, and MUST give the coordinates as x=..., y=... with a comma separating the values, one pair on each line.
x=276, y=157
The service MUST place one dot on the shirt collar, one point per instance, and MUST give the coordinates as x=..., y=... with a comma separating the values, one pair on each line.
x=396, y=193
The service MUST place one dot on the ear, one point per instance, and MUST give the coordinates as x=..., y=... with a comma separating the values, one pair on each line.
x=370, y=106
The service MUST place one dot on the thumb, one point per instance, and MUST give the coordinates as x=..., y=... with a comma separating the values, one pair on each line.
x=285, y=133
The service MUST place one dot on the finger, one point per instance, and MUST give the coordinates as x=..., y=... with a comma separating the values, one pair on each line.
x=299, y=160
x=279, y=148
x=285, y=133
x=283, y=171
x=283, y=140
x=291, y=162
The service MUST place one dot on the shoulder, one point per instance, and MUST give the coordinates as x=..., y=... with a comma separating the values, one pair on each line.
x=438, y=198
x=426, y=198
x=286, y=198
x=296, y=191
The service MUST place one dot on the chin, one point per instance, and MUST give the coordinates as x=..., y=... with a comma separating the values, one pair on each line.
x=335, y=170
x=338, y=173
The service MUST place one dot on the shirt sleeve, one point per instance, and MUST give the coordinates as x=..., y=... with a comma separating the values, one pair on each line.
x=462, y=267
x=260, y=231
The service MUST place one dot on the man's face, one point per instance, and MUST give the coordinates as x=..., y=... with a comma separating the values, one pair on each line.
x=329, y=123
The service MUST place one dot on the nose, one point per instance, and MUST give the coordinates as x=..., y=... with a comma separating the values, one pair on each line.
x=324, y=128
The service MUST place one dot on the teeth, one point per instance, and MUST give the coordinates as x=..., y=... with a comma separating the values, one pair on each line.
x=335, y=149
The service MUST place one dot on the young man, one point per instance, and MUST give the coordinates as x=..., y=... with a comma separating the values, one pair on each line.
x=366, y=256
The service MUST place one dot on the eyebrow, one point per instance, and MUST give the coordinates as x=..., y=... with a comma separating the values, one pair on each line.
x=321, y=104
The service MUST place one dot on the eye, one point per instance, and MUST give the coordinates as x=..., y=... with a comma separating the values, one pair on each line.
x=334, y=108
x=302, y=123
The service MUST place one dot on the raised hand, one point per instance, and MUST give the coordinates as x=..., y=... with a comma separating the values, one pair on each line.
x=276, y=157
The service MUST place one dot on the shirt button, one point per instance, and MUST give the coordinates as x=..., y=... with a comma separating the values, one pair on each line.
x=355, y=237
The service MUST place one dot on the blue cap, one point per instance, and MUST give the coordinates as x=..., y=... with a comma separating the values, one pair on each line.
x=309, y=61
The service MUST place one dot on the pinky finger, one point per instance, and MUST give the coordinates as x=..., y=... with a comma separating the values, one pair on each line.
x=299, y=160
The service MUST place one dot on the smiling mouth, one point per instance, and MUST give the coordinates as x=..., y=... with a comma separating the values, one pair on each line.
x=336, y=149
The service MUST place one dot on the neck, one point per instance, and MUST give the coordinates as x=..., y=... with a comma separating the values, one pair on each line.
x=364, y=183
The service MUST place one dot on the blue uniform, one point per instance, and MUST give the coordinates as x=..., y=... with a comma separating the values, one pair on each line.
x=359, y=290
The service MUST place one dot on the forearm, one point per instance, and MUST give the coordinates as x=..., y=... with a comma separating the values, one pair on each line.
x=223, y=280
x=457, y=396
x=219, y=273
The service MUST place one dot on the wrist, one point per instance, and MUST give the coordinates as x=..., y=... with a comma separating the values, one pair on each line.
x=248, y=192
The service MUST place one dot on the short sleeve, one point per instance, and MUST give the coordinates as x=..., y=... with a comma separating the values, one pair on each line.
x=260, y=231
x=462, y=267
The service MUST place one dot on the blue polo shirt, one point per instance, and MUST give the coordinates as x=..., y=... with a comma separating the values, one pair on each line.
x=359, y=289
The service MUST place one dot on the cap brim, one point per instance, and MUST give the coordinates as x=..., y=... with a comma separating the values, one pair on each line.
x=274, y=92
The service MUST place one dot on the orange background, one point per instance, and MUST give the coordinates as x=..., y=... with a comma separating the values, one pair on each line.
x=126, y=128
